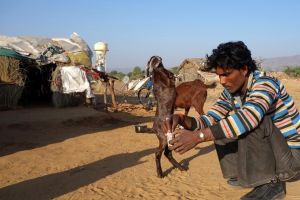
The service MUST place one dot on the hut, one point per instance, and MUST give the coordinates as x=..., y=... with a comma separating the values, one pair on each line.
x=32, y=67
x=12, y=78
x=195, y=68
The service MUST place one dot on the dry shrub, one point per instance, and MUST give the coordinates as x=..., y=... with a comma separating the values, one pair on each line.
x=12, y=81
x=10, y=71
x=80, y=58
x=56, y=82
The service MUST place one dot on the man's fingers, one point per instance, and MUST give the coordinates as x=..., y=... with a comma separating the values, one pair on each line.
x=172, y=142
x=175, y=144
x=179, y=149
x=177, y=132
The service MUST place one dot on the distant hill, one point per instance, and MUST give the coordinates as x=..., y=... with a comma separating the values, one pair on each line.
x=269, y=64
x=279, y=63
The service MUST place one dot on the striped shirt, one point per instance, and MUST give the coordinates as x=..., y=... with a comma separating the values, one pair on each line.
x=265, y=96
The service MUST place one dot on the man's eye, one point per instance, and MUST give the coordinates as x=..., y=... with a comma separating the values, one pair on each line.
x=225, y=74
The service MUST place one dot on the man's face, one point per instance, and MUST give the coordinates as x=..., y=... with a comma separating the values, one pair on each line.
x=233, y=79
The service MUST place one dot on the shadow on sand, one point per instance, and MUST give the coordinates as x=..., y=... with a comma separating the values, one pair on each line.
x=33, y=128
x=185, y=162
x=55, y=185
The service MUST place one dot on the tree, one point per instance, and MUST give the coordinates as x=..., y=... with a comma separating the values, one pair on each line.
x=136, y=73
x=174, y=70
x=117, y=74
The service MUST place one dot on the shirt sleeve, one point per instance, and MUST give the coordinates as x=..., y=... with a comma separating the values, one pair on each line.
x=218, y=111
x=263, y=94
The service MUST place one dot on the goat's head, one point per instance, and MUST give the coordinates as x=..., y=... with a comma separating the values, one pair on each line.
x=153, y=63
x=155, y=66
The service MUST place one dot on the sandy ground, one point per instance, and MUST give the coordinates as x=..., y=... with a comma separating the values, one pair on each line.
x=81, y=153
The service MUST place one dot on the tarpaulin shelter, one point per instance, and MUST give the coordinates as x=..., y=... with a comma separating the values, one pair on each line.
x=34, y=60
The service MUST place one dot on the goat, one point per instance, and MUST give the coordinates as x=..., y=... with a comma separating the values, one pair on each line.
x=165, y=95
x=191, y=93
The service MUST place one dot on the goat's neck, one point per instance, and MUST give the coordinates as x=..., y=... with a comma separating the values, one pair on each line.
x=161, y=75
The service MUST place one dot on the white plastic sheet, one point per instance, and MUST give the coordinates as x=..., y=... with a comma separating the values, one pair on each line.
x=135, y=85
x=74, y=80
x=37, y=47
x=141, y=83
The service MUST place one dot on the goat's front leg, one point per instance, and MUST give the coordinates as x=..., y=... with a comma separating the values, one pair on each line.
x=168, y=154
x=158, y=153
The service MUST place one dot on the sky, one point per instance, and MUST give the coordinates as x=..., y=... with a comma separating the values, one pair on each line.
x=135, y=30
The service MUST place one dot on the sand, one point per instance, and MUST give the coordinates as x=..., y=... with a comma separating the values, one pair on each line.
x=82, y=153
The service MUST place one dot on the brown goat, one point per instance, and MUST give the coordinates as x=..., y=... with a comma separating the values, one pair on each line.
x=191, y=93
x=165, y=94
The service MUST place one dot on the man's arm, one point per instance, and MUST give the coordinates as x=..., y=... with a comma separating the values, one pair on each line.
x=185, y=140
x=218, y=111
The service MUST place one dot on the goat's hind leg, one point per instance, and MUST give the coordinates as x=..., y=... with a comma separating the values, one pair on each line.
x=168, y=154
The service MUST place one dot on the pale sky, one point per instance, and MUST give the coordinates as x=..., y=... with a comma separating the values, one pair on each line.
x=173, y=29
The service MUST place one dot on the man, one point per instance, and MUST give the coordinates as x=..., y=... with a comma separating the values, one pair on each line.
x=254, y=124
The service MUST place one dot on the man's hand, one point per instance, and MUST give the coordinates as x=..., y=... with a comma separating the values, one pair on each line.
x=184, y=140
x=178, y=119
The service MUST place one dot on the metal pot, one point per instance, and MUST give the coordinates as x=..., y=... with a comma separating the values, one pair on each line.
x=139, y=128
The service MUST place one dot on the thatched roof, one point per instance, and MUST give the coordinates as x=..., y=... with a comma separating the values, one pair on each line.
x=198, y=63
x=195, y=68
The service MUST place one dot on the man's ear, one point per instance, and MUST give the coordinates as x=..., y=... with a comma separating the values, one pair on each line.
x=245, y=70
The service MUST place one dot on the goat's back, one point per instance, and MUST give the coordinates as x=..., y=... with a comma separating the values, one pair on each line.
x=191, y=93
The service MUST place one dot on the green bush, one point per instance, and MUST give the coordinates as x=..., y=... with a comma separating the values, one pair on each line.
x=136, y=73
x=174, y=70
x=292, y=71
x=116, y=74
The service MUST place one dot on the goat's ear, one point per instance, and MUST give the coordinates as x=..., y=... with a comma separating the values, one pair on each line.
x=154, y=62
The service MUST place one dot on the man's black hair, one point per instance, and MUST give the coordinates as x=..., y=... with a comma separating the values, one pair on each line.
x=231, y=54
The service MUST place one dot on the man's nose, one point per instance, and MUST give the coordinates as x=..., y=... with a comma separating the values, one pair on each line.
x=223, y=80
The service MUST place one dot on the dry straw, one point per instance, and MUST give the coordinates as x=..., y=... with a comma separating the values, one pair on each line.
x=80, y=58
x=12, y=81
x=10, y=72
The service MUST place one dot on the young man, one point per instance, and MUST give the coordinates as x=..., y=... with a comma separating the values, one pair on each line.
x=254, y=124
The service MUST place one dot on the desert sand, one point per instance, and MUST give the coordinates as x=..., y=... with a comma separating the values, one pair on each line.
x=82, y=153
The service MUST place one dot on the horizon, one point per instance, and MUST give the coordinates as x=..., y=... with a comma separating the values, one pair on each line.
x=174, y=30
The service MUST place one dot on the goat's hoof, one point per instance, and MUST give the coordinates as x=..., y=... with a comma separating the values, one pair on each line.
x=160, y=175
x=182, y=168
